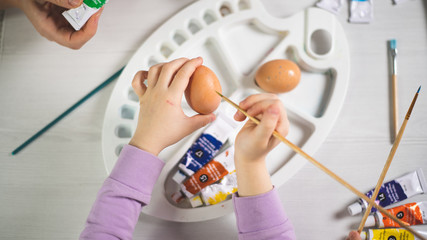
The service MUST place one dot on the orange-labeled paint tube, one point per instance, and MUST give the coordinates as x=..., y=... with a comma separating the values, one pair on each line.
x=212, y=172
x=411, y=213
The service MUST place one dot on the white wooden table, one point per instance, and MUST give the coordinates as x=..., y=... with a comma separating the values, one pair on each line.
x=47, y=190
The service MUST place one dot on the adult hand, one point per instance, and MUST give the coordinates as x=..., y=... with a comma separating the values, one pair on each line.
x=353, y=235
x=254, y=141
x=162, y=122
x=46, y=17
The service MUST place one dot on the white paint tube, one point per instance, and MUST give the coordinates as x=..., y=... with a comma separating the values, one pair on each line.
x=361, y=11
x=333, y=6
x=78, y=16
x=394, y=191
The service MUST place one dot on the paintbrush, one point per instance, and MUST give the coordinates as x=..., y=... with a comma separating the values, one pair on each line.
x=393, y=54
x=388, y=162
x=325, y=169
x=68, y=111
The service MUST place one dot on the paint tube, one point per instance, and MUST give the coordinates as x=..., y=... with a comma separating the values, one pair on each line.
x=216, y=193
x=205, y=147
x=212, y=172
x=411, y=214
x=361, y=11
x=389, y=233
x=333, y=6
x=397, y=190
x=78, y=16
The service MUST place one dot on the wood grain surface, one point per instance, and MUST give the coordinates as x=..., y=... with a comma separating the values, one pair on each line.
x=47, y=190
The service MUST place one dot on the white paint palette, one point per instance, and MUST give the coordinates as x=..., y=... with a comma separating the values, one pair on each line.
x=235, y=37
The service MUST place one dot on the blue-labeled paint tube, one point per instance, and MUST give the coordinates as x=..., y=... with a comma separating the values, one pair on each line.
x=205, y=147
x=397, y=190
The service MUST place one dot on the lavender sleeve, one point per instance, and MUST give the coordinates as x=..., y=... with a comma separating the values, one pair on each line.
x=120, y=199
x=262, y=217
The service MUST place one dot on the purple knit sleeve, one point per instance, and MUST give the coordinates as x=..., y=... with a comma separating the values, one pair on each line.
x=120, y=199
x=262, y=217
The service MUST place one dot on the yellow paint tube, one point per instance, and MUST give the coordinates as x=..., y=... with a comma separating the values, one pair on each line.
x=389, y=234
x=216, y=193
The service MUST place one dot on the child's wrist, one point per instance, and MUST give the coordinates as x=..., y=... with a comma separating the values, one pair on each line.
x=145, y=146
x=249, y=163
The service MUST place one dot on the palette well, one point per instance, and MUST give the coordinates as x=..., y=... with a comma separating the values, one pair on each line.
x=235, y=37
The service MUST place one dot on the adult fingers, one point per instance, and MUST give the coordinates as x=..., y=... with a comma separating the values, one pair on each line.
x=169, y=70
x=66, y=3
x=76, y=39
x=138, y=83
x=182, y=77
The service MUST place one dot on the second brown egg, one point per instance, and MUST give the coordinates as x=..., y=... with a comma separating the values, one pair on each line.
x=278, y=76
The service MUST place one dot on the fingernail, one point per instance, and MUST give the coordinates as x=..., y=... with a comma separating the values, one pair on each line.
x=97, y=18
x=74, y=3
x=273, y=110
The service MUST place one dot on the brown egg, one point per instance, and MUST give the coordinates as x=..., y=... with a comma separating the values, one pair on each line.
x=200, y=92
x=278, y=76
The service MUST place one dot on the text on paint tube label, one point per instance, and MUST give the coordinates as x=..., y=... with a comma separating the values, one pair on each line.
x=205, y=147
x=94, y=3
x=389, y=193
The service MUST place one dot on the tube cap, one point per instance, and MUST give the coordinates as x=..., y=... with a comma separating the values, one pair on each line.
x=177, y=197
x=179, y=177
x=370, y=221
x=196, y=201
x=354, y=209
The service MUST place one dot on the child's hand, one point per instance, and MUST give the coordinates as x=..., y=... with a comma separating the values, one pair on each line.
x=162, y=121
x=255, y=141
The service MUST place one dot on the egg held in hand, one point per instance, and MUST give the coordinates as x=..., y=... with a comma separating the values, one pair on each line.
x=278, y=76
x=200, y=92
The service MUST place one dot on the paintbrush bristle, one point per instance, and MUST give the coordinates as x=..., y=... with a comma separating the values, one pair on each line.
x=419, y=89
x=392, y=43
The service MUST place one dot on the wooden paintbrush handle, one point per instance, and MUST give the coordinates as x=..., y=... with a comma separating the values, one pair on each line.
x=395, y=105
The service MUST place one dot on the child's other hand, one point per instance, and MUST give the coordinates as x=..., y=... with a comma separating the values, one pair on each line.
x=255, y=141
x=162, y=121
x=353, y=235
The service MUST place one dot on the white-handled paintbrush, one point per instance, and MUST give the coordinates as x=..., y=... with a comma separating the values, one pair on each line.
x=393, y=54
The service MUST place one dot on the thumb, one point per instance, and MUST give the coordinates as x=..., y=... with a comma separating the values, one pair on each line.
x=268, y=123
x=199, y=121
x=66, y=3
